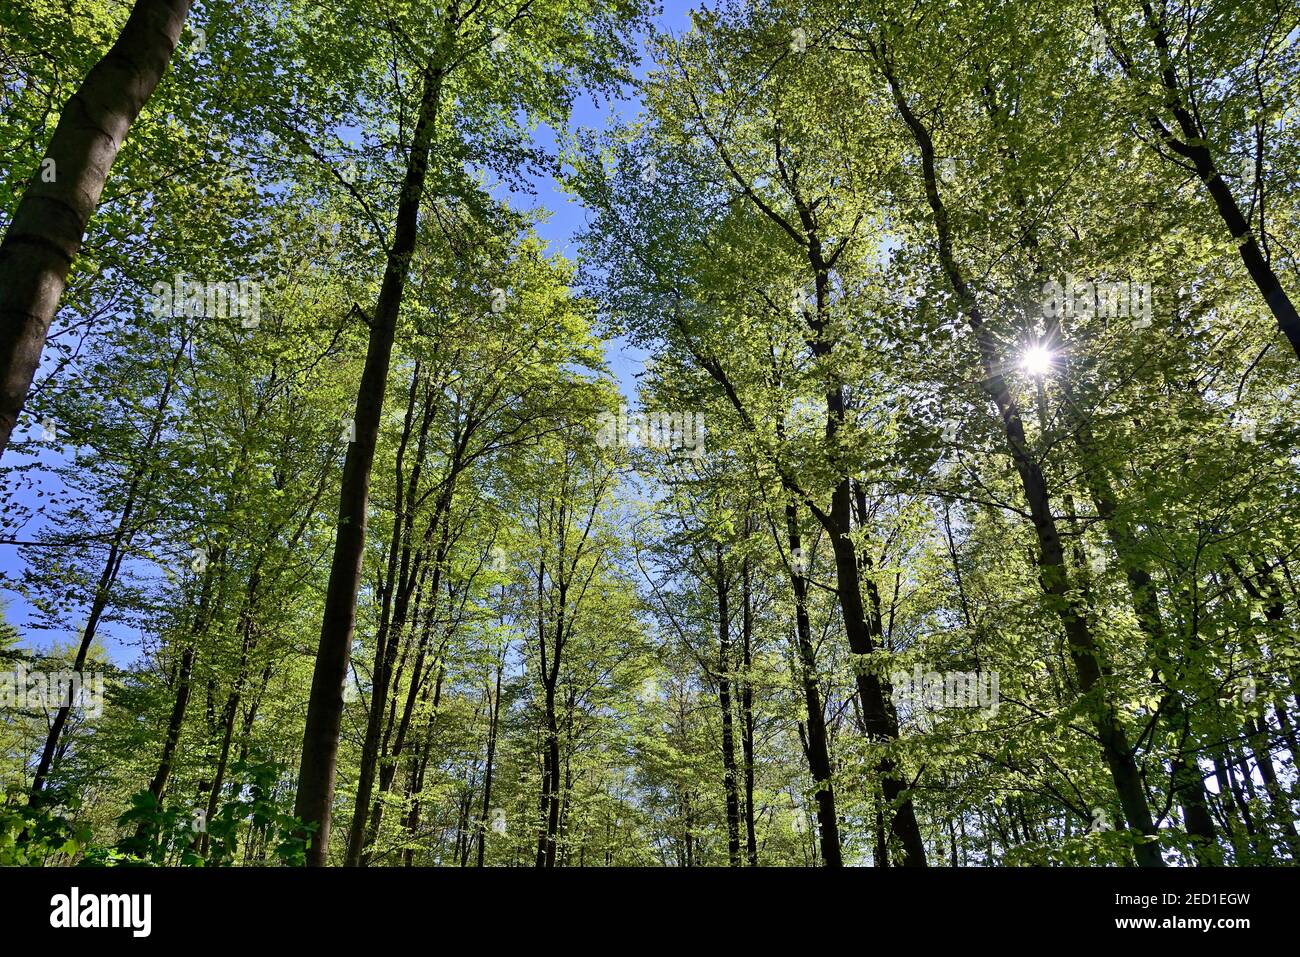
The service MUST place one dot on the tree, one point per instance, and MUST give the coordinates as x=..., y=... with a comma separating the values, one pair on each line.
x=45, y=233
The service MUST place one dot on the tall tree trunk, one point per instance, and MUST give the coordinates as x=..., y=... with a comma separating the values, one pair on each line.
x=1187, y=781
x=553, y=756
x=419, y=690
x=49, y=224
x=176, y=720
x=546, y=846
x=1053, y=577
x=325, y=705
x=464, y=840
x=231, y=711
x=879, y=721
x=420, y=767
x=688, y=825
x=491, y=755
x=862, y=632
x=747, y=706
x=878, y=718
x=414, y=785
x=250, y=716
x=816, y=745
x=729, y=782
x=1235, y=809
x=1257, y=732
x=544, y=804
x=1288, y=727
x=563, y=832
x=399, y=580
x=882, y=840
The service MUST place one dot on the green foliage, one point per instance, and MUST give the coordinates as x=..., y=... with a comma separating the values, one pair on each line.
x=830, y=229
x=35, y=834
x=174, y=835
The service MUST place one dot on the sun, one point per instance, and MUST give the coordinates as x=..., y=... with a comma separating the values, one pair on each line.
x=1036, y=360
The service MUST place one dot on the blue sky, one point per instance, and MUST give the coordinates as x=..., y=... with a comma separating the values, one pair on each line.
x=566, y=218
x=567, y=215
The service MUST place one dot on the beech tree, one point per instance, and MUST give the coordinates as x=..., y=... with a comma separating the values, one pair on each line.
x=44, y=233
x=888, y=459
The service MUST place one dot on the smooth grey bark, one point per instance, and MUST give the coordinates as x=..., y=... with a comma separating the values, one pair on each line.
x=325, y=705
x=49, y=224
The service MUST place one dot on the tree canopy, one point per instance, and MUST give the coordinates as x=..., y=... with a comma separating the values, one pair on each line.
x=896, y=469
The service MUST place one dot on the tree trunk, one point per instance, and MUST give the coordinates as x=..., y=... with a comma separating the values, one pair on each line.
x=1193, y=147
x=882, y=840
x=553, y=814
x=325, y=705
x=159, y=782
x=878, y=719
x=491, y=755
x=1257, y=732
x=231, y=710
x=183, y=682
x=1186, y=779
x=1187, y=783
x=747, y=708
x=122, y=536
x=550, y=785
x=862, y=633
x=388, y=770
x=816, y=746
x=49, y=224
x=1053, y=578
x=399, y=579
x=729, y=782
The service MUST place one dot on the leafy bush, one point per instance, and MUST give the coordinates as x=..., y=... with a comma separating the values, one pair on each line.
x=172, y=835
